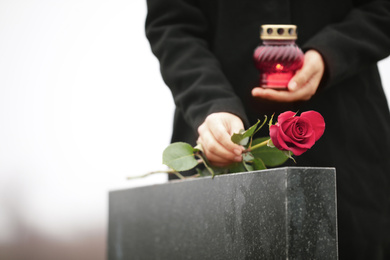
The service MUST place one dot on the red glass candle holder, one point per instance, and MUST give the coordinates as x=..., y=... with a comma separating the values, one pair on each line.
x=278, y=58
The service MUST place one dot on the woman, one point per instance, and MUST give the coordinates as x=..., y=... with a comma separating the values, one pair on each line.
x=205, y=50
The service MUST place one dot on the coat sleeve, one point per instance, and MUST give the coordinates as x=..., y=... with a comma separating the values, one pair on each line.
x=179, y=37
x=360, y=40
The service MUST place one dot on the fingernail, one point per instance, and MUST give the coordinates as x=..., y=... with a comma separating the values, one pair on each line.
x=292, y=85
x=256, y=91
x=238, y=158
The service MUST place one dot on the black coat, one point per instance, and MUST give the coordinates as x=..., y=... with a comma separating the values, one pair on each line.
x=205, y=49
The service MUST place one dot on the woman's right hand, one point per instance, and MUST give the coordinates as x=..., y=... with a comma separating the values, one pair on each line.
x=215, y=137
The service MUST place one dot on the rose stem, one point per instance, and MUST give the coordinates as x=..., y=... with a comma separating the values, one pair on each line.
x=257, y=146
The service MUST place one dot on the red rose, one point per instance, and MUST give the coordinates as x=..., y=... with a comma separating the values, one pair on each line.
x=297, y=133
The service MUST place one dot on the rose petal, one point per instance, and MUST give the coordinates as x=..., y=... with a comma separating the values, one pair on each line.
x=284, y=116
x=288, y=140
x=302, y=128
x=285, y=133
x=305, y=126
x=306, y=143
x=287, y=128
x=273, y=133
x=296, y=134
x=307, y=138
x=298, y=151
x=317, y=122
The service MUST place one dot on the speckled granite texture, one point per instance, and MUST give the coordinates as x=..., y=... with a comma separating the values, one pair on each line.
x=284, y=213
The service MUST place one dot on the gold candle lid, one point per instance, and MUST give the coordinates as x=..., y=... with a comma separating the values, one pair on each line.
x=278, y=32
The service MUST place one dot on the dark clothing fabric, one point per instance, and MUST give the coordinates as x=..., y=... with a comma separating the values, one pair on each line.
x=205, y=49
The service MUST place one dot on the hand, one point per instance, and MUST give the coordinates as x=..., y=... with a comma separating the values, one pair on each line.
x=215, y=134
x=302, y=86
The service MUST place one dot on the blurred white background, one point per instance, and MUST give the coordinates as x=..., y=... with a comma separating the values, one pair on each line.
x=82, y=106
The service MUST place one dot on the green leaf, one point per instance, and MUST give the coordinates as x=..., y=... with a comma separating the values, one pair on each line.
x=242, y=137
x=236, y=167
x=258, y=164
x=179, y=156
x=248, y=167
x=244, y=141
x=251, y=130
x=271, y=156
x=239, y=138
x=247, y=157
x=198, y=148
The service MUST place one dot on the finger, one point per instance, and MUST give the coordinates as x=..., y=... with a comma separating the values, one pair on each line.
x=273, y=95
x=299, y=80
x=215, y=158
x=215, y=151
x=215, y=136
x=236, y=126
x=303, y=93
x=313, y=67
x=222, y=133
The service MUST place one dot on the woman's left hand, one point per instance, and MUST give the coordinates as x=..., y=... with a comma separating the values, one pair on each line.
x=302, y=86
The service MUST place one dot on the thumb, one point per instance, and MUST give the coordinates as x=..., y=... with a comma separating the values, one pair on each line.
x=236, y=126
x=313, y=67
x=299, y=79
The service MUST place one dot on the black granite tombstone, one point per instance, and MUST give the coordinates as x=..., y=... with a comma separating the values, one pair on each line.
x=283, y=213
